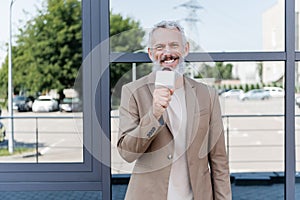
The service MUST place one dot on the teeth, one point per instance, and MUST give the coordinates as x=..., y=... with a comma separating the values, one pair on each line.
x=169, y=61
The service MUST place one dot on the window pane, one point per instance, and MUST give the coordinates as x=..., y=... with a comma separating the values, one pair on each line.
x=131, y=71
x=297, y=129
x=214, y=25
x=297, y=20
x=47, y=103
x=252, y=106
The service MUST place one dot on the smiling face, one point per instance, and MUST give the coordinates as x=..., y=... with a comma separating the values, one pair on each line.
x=167, y=47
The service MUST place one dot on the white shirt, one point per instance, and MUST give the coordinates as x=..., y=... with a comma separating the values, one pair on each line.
x=179, y=182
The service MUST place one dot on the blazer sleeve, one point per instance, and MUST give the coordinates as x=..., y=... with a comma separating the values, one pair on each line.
x=217, y=155
x=135, y=132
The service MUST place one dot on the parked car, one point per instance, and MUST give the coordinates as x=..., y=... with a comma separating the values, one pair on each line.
x=221, y=91
x=2, y=132
x=234, y=93
x=70, y=105
x=44, y=104
x=22, y=103
x=259, y=94
x=275, y=91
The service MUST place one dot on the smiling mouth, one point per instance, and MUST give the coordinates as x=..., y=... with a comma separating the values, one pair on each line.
x=169, y=59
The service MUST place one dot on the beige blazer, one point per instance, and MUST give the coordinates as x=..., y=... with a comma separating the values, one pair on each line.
x=149, y=142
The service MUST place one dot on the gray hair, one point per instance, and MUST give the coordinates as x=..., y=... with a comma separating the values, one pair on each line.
x=168, y=25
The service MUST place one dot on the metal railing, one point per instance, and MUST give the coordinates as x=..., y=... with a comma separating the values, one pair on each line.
x=228, y=121
x=231, y=131
x=228, y=130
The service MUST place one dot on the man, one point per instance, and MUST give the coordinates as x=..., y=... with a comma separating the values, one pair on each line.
x=175, y=135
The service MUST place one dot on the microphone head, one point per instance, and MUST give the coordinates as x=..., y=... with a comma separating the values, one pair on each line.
x=165, y=78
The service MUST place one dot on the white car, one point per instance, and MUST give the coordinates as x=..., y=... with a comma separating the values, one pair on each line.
x=44, y=104
x=275, y=91
x=234, y=93
x=255, y=94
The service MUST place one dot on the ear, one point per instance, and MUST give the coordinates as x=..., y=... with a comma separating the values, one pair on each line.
x=150, y=54
x=186, y=49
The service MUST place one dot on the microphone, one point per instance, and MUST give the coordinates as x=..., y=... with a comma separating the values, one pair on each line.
x=165, y=78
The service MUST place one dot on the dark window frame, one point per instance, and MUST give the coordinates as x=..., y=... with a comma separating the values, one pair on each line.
x=93, y=174
x=289, y=56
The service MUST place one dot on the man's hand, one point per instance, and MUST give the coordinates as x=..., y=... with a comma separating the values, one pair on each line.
x=161, y=99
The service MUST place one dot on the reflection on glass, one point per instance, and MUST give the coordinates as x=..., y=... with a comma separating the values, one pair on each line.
x=254, y=140
x=130, y=72
x=48, y=124
x=214, y=25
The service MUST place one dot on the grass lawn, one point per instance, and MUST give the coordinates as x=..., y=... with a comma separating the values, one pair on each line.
x=17, y=150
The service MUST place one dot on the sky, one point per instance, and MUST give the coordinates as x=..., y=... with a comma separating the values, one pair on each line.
x=230, y=25
x=19, y=17
x=225, y=25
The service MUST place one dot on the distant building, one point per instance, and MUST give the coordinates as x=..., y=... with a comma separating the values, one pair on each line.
x=273, y=34
x=246, y=72
x=273, y=40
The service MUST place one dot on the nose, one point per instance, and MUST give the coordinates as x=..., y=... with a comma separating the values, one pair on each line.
x=167, y=50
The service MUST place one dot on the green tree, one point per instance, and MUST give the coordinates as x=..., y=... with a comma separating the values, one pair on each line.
x=260, y=71
x=48, y=50
x=223, y=71
x=47, y=54
x=246, y=88
x=219, y=71
x=126, y=35
x=206, y=71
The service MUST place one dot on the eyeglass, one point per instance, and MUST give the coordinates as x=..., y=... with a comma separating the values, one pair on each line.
x=161, y=47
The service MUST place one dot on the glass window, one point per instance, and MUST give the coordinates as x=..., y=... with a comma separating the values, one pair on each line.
x=214, y=25
x=244, y=91
x=46, y=58
x=297, y=127
x=297, y=21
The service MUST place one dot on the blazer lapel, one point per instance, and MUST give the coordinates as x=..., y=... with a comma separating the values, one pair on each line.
x=192, y=107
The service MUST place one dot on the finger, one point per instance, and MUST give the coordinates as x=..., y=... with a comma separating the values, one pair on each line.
x=163, y=90
x=165, y=94
x=165, y=103
x=164, y=99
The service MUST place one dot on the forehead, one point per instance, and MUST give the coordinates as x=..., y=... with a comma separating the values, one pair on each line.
x=165, y=35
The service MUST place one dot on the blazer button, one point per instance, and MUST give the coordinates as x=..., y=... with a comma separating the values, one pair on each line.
x=170, y=156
